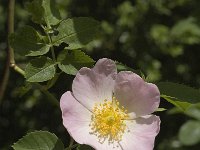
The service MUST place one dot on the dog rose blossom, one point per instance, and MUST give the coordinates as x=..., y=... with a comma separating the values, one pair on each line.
x=111, y=111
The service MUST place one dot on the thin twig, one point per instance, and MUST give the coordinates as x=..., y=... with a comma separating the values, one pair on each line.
x=11, y=59
x=11, y=14
x=9, y=51
x=51, y=98
x=18, y=69
x=71, y=142
x=50, y=41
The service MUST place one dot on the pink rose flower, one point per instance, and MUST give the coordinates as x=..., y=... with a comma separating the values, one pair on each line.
x=111, y=111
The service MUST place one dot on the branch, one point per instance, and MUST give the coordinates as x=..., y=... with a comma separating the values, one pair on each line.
x=50, y=96
x=11, y=60
x=11, y=13
x=9, y=51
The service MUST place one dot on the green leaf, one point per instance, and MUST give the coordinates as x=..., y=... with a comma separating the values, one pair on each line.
x=44, y=11
x=51, y=82
x=123, y=67
x=189, y=134
x=39, y=140
x=176, y=102
x=179, y=91
x=174, y=110
x=161, y=109
x=70, y=61
x=40, y=69
x=27, y=41
x=180, y=95
x=76, y=32
x=194, y=111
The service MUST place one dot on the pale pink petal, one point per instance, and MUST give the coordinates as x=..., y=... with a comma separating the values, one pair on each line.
x=72, y=110
x=105, y=66
x=142, y=133
x=76, y=119
x=96, y=84
x=137, y=96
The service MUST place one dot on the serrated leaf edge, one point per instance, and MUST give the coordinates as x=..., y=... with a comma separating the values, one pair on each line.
x=37, y=131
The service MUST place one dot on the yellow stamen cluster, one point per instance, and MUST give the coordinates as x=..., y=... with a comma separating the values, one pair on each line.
x=107, y=121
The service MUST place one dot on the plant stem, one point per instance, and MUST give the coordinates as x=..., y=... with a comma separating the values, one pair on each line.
x=11, y=13
x=11, y=59
x=50, y=41
x=52, y=99
x=18, y=69
x=52, y=49
x=71, y=146
x=71, y=142
x=9, y=51
x=53, y=54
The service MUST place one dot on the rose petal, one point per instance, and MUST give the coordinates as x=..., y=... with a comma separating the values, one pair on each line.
x=105, y=66
x=72, y=110
x=76, y=119
x=95, y=85
x=142, y=133
x=137, y=96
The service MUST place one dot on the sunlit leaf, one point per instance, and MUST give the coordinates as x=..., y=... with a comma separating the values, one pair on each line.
x=27, y=41
x=39, y=140
x=174, y=110
x=44, y=11
x=189, y=133
x=161, y=109
x=76, y=32
x=70, y=61
x=40, y=69
x=180, y=95
x=176, y=102
x=51, y=82
x=123, y=67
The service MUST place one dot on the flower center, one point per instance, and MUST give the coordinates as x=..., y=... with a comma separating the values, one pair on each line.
x=107, y=121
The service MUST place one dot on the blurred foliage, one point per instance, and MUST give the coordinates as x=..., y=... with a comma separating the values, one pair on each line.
x=189, y=133
x=159, y=37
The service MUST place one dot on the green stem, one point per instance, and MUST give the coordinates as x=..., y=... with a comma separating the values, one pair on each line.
x=10, y=52
x=71, y=142
x=52, y=49
x=11, y=58
x=51, y=43
x=11, y=13
x=18, y=69
x=51, y=98
x=71, y=146
x=53, y=54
